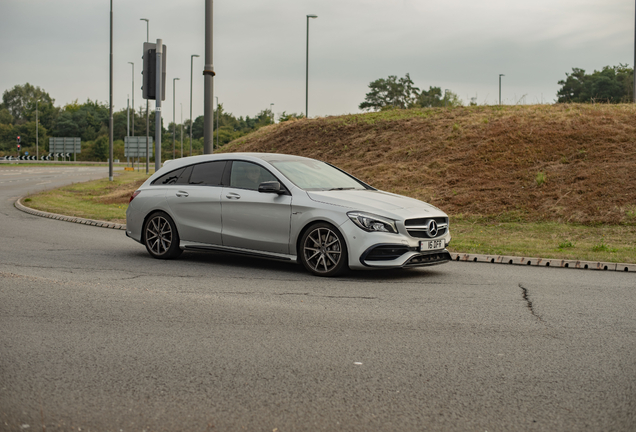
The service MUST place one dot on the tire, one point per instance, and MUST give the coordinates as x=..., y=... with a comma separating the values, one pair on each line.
x=161, y=237
x=323, y=250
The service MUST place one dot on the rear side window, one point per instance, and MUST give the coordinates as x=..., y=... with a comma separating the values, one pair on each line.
x=208, y=174
x=169, y=179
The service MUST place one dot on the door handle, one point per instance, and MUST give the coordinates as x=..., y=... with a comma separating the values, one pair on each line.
x=182, y=194
x=232, y=195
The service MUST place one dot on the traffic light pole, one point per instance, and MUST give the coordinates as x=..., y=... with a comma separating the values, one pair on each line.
x=158, y=96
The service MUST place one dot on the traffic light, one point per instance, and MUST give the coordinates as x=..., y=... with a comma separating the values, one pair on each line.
x=149, y=87
x=19, y=140
x=18, y=147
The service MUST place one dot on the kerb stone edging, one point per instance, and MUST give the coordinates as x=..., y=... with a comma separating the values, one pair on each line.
x=98, y=223
x=461, y=257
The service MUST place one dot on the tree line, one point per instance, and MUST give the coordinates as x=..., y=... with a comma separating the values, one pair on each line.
x=90, y=120
x=612, y=84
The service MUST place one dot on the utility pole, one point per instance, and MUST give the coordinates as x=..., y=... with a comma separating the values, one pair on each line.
x=208, y=84
x=217, y=123
x=500, y=75
x=158, y=95
x=110, y=114
x=181, y=128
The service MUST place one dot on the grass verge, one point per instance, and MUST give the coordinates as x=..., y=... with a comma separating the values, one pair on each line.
x=104, y=200
x=97, y=199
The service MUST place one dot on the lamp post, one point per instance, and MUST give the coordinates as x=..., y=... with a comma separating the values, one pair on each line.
x=37, y=131
x=147, y=115
x=307, y=69
x=217, y=125
x=446, y=97
x=271, y=108
x=110, y=102
x=181, y=135
x=191, y=122
x=500, y=75
x=208, y=83
x=174, y=80
x=133, y=97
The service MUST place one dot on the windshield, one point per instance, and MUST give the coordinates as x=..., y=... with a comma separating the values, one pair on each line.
x=316, y=175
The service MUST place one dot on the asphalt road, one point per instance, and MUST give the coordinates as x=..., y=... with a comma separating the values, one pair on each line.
x=95, y=335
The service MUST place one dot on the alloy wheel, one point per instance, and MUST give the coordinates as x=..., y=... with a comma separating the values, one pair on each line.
x=322, y=250
x=158, y=235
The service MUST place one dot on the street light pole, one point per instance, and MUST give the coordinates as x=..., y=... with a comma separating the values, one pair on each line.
x=500, y=75
x=217, y=125
x=147, y=115
x=133, y=97
x=181, y=135
x=191, y=122
x=307, y=69
x=271, y=108
x=208, y=83
x=37, y=131
x=110, y=102
x=174, y=80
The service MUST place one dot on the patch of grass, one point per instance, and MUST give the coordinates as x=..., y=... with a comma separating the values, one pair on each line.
x=538, y=239
x=97, y=199
x=540, y=179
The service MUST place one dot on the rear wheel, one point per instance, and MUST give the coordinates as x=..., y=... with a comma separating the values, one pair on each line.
x=161, y=237
x=323, y=250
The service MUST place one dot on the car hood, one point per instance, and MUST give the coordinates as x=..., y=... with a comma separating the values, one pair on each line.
x=377, y=202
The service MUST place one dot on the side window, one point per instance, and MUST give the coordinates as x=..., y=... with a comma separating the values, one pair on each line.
x=247, y=175
x=184, y=178
x=169, y=179
x=207, y=174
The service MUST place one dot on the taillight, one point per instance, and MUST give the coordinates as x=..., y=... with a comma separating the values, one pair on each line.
x=132, y=197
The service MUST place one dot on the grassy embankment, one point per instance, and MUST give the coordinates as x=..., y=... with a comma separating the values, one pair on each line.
x=551, y=181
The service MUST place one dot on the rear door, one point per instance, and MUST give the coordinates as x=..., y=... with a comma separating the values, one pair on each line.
x=195, y=202
x=251, y=219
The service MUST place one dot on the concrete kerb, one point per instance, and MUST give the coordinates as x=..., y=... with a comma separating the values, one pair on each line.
x=98, y=223
x=544, y=262
x=494, y=259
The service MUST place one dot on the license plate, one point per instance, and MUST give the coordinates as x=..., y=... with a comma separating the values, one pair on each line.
x=429, y=245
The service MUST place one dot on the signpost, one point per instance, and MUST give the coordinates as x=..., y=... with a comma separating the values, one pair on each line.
x=65, y=145
x=135, y=147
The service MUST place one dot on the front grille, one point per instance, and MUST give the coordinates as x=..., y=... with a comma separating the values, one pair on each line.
x=428, y=259
x=418, y=228
x=386, y=253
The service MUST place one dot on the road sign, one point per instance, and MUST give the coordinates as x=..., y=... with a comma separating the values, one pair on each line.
x=65, y=145
x=136, y=146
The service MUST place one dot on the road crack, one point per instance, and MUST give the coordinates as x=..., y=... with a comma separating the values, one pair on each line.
x=526, y=297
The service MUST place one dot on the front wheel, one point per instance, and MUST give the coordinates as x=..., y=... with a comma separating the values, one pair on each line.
x=161, y=237
x=323, y=250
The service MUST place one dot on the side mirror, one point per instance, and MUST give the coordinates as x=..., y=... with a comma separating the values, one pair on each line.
x=270, y=187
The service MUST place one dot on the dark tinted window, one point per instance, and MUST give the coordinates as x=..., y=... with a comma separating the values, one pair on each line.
x=208, y=173
x=170, y=178
x=184, y=178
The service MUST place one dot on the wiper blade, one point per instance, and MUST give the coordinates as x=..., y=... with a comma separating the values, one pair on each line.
x=342, y=188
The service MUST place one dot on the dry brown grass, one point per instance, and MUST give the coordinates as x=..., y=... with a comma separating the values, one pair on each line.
x=482, y=160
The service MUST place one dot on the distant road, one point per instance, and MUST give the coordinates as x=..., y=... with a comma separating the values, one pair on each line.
x=94, y=334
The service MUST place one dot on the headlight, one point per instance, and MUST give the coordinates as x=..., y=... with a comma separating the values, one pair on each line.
x=372, y=223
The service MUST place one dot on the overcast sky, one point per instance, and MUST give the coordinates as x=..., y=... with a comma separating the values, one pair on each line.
x=259, y=48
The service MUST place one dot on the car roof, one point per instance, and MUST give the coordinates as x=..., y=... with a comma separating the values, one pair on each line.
x=267, y=157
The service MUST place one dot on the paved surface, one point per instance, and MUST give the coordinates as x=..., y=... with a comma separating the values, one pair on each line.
x=96, y=335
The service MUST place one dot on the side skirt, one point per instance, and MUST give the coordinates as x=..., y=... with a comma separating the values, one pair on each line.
x=192, y=246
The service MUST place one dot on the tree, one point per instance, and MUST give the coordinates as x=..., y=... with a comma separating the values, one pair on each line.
x=398, y=93
x=291, y=116
x=21, y=103
x=612, y=84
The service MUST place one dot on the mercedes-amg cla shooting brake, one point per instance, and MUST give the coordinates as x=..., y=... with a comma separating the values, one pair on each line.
x=283, y=207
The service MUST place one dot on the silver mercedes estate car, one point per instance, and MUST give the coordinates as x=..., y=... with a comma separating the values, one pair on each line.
x=283, y=207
